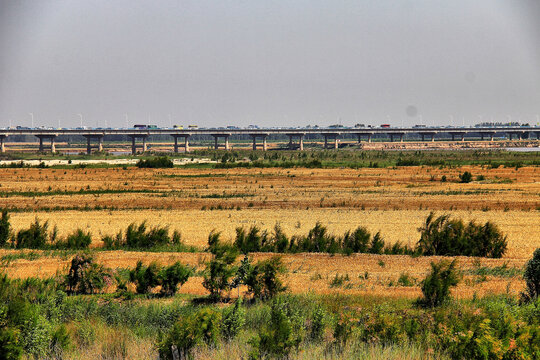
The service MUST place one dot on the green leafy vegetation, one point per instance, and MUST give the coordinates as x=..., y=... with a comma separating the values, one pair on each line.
x=445, y=236
x=156, y=162
x=532, y=278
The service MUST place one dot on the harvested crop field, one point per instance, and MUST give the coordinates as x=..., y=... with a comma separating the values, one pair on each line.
x=407, y=188
x=394, y=201
x=522, y=227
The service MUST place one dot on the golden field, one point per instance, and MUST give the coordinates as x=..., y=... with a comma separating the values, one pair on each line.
x=394, y=201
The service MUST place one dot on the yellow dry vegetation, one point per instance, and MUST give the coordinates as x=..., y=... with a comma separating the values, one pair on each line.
x=521, y=227
x=394, y=201
x=367, y=274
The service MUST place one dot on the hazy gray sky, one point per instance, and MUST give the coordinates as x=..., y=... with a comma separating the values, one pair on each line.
x=271, y=63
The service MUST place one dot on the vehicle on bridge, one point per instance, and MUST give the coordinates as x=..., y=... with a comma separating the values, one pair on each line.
x=145, y=127
x=179, y=127
x=193, y=127
x=385, y=126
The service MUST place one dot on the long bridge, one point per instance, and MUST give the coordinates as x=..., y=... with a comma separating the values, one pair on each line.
x=296, y=135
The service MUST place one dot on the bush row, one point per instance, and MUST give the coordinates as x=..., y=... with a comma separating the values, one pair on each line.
x=440, y=235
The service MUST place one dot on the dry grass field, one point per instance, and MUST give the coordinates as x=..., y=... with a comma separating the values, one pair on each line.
x=394, y=201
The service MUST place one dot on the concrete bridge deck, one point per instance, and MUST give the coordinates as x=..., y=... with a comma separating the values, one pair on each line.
x=330, y=135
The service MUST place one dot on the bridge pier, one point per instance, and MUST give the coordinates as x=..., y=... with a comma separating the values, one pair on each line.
x=89, y=143
x=334, y=138
x=51, y=137
x=300, y=137
x=369, y=135
x=460, y=134
x=264, y=144
x=134, y=142
x=432, y=135
x=2, y=140
x=225, y=137
x=186, y=142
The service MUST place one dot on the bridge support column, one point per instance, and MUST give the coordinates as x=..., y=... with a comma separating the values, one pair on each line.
x=89, y=146
x=134, y=142
x=462, y=137
x=225, y=137
x=423, y=139
x=51, y=137
x=333, y=138
x=391, y=137
x=369, y=138
x=433, y=137
x=264, y=144
x=510, y=136
x=300, y=141
x=186, y=142
x=538, y=136
x=2, y=145
x=491, y=135
x=401, y=137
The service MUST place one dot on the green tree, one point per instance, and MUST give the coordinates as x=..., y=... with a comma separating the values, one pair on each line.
x=532, y=278
x=220, y=269
x=436, y=285
x=5, y=228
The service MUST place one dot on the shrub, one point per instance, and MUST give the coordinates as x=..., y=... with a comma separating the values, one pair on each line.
x=85, y=276
x=262, y=279
x=145, y=277
x=233, y=320
x=156, y=162
x=466, y=177
x=173, y=275
x=34, y=237
x=451, y=237
x=357, y=241
x=5, y=228
x=78, y=240
x=220, y=268
x=142, y=237
x=190, y=331
x=377, y=244
x=252, y=241
x=532, y=278
x=283, y=333
x=318, y=325
x=436, y=286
